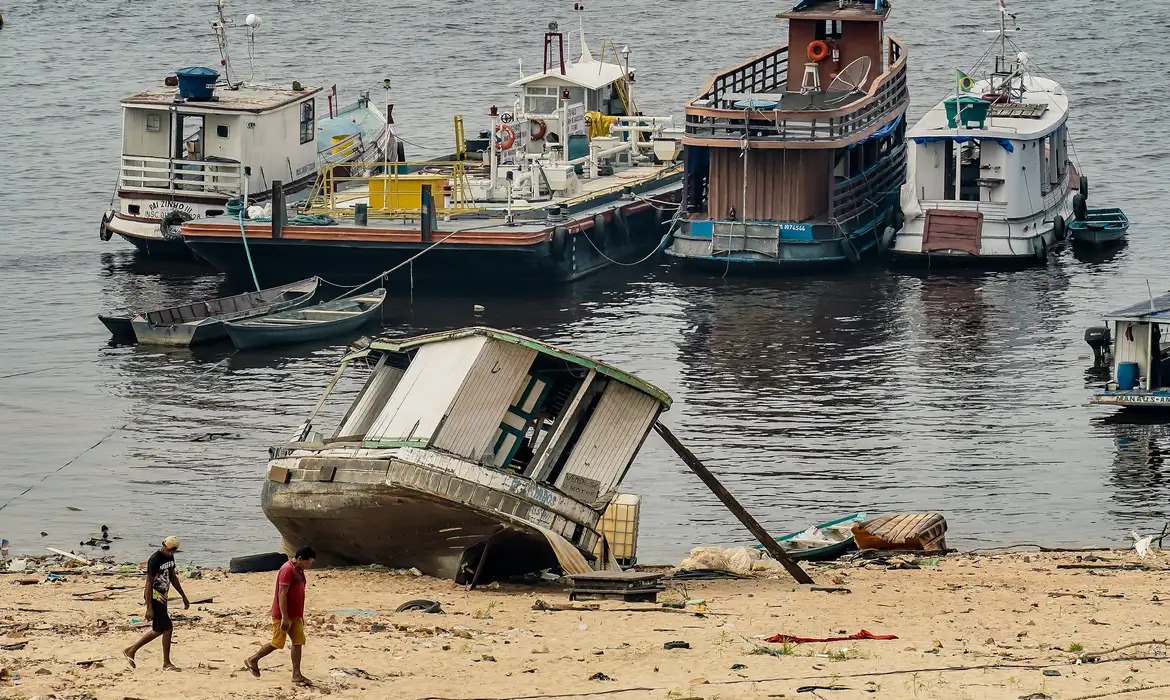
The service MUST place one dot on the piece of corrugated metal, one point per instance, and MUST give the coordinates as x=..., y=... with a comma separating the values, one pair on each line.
x=425, y=392
x=370, y=401
x=615, y=432
x=494, y=382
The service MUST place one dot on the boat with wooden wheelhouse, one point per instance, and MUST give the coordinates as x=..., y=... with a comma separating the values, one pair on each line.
x=466, y=454
x=795, y=158
x=572, y=178
x=202, y=139
x=992, y=181
x=1139, y=356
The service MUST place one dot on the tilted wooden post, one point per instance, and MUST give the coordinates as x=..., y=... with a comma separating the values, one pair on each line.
x=733, y=505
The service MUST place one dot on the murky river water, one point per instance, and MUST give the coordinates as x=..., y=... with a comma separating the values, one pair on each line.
x=811, y=397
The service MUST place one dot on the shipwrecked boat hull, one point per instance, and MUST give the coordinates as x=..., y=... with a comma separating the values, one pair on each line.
x=359, y=524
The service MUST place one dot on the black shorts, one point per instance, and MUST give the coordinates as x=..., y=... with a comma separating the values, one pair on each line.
x=160, y=618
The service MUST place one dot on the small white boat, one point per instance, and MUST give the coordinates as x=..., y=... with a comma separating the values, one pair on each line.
x=206, y=137
x=990, y=175
x=1140, y=357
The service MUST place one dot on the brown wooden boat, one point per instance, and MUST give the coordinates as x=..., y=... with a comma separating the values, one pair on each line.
x=917, y=531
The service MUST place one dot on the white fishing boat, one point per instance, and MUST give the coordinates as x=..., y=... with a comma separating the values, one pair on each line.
x=1140, y=358
x=990, y=177
x=204, y=137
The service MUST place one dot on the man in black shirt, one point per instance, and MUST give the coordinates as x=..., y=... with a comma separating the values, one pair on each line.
x=160, y=576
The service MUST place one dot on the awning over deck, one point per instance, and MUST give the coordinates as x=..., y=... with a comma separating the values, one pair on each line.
x=1005, y=143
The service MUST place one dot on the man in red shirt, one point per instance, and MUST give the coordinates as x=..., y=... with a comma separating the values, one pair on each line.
x=288, y=614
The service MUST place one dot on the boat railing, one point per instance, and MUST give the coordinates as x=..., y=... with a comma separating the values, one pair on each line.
x=713, y=120
x=169, y=175
x=991, y=210
x=860, y=194
x=391, y=190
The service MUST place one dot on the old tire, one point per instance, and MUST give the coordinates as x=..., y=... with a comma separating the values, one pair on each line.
x=600, y=232
x=253, y=563
x=1040, y=249
x=1080, y=207
x=1084, y=186
x=1059, y=227
x=171, y=224
x=428, y=606
x=559, y=242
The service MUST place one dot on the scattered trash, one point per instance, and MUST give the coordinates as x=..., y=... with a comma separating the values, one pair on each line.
x=738, y=667
x=1036, y=696
x=13, y=647
x=599, y=676
x=355, y=672
x=75, y=509
x=3, y=549
x=863, y=634
x=814, y=688
x=67, y=555
x=355, y=612
x=676, y=645
x=1143, y=545
x=427, y=606
x=829, y=589
x=26, y=582
x=1051, y=672
x=209, y=437
x=54, y=578
x=478, y=308
x=743, y=561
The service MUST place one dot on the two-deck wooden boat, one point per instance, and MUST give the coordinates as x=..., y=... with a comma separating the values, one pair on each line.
x=466, y=454
x=573, y=177
x=822, y=542
x=205, y=321
x=795, y=158
x=325, y=320
x=1098, y=227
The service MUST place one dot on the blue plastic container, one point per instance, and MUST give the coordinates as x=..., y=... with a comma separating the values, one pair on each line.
x=197, y=83
x=1127, y=375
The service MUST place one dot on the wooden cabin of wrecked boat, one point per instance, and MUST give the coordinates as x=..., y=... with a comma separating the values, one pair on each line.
x=465, y=452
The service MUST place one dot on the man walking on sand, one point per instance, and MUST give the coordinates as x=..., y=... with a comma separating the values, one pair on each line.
x=160, y=576
x=288, y=614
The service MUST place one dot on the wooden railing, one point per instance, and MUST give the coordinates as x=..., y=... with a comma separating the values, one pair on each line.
x=711, y=118
x=857, y=195
x=151, y=174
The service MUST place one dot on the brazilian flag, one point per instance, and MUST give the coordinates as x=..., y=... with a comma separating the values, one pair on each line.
x=964, y=81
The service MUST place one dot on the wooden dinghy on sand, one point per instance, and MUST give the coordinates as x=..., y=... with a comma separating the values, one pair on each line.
x=907, y=531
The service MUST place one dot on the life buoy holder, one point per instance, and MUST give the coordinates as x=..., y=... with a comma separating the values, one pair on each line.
x=818, y=51
x=505, y=137
x=539, y=129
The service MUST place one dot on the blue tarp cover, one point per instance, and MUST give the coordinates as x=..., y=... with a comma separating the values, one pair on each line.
x=1005, y=143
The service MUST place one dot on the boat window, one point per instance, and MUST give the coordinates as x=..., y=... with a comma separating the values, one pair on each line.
x=308, y=121
x=189, y=145
x=154, y=123
x=221, y=131
x=540, y=100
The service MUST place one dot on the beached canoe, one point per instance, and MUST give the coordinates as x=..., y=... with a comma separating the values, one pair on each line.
x=912, y=531
x=204, y=321
x=325, y=320
x=822, y=542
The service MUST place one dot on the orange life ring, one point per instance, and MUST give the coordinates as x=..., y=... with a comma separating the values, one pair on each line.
x=505, y=136
x=539, y=129
x=818, y=51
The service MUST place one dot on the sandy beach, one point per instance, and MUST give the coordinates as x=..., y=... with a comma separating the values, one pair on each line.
x=970, y=626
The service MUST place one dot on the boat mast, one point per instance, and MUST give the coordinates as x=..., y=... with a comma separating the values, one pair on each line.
x=220, y=27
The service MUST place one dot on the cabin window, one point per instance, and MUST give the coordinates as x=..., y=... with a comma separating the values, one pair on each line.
x=154, y=123
x=221, y=131
x=308, y=121
x=541, y=100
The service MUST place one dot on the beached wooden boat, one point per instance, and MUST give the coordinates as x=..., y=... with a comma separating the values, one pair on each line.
x=1099, y=227
x=325, y=320
x=916, y=531
x=822, y=542
x=204, y=321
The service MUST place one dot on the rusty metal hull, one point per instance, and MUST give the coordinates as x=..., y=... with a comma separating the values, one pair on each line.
x=398, y=527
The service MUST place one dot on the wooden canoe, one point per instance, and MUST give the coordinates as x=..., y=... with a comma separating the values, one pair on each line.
x=823, y=542
x=325, y=320
x=913, y=531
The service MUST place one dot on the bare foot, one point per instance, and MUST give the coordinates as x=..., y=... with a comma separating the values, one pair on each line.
x=171, y=667
x=301, y=680
x=252, y=666
x=129, y=658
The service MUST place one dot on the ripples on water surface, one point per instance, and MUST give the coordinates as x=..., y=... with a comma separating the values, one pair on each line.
x=812, y=397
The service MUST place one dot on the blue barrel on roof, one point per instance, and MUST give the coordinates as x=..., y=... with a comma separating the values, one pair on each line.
x=197, y=83
x=1127, y=375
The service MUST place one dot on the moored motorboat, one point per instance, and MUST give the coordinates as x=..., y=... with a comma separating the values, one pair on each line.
x=204, y=321
x=467, y=454
x=572, y=178
x=1139, y=356
x=794, y=158
x=991, y=180
x=325, y=320
x=204, y=138
x=903, y=531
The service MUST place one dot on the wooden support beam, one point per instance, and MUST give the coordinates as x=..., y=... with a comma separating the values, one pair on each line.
x=733, y=505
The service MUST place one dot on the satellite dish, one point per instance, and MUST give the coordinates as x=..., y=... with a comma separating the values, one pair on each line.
x=852, y=78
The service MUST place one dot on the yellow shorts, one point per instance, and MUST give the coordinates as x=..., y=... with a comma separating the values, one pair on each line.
x=296, y=633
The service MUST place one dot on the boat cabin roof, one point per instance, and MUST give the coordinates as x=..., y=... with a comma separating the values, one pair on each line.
x=252, y=99
x=1043, y=107
x=395, y=345
x=1156, y=310
x=832, y=10
x=586, y=72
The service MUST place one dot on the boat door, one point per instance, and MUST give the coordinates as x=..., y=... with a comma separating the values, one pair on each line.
x=188, y=150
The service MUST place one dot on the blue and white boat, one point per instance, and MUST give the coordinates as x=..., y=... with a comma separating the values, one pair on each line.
x=782, y=173
x=1140, y=357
